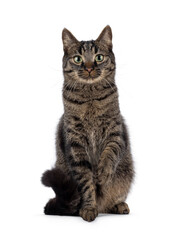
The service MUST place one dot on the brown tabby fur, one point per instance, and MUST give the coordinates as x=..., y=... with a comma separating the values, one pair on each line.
x=94, y=167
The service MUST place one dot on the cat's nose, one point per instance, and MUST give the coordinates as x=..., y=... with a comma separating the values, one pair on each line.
x=89, y=69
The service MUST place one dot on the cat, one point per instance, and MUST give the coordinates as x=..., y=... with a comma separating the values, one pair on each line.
x=94, y=169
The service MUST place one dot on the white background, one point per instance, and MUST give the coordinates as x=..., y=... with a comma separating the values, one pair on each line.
x=146, y=38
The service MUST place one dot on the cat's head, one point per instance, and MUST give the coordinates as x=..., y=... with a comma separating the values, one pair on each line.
x=88, y=61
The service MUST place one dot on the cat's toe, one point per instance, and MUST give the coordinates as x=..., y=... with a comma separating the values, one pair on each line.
x=88, y=214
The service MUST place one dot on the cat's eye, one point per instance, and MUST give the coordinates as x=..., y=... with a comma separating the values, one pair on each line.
x=99, y=58
x=77, y=59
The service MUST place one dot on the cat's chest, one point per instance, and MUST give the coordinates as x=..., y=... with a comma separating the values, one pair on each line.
x=93, y=126
x=93, y=147
x=92, y=113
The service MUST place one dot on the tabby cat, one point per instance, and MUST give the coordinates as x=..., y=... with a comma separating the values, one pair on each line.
x=94, y=168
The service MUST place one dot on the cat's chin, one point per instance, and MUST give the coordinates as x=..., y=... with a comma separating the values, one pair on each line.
x=90, y=80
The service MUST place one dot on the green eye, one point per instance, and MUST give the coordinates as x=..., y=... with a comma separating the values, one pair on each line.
x=99, y=58
x=78, y=59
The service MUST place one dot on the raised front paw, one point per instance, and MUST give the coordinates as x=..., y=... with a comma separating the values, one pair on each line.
x=88, y=213
x=104, y=175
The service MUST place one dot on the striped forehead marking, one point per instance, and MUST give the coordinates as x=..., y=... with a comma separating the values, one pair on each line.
x=88, y=46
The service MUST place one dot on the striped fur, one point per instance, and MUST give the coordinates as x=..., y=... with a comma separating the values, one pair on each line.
x=92, y=141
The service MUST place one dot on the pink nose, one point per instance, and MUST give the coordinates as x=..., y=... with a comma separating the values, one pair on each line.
x=89, y=69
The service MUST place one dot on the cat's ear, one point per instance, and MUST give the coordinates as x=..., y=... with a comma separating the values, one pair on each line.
x=68, y=39
x=106, y=36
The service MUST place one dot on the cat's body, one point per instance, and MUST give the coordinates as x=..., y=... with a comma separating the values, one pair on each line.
x=93, y=149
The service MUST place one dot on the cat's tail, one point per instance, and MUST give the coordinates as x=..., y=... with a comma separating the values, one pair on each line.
x=67, y=200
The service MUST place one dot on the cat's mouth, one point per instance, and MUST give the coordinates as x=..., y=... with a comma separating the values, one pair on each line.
x=89, y=75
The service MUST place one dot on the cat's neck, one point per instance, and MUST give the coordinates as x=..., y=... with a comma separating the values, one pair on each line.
x=99, y=97
x=89, y=90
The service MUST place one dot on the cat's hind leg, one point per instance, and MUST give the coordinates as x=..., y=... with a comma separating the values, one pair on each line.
x=67, y=200
x=51, y=207
x=120, y=208
x=55, y=207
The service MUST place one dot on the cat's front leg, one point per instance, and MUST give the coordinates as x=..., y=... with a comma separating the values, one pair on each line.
x=82, y=172
x=106, y=166
x=110, y=158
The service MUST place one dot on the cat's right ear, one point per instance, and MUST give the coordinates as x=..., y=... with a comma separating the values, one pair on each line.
x=68, y=39
x=106, y=37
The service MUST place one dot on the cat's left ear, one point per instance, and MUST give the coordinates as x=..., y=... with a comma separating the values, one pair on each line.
x=68, y=39
x=106, y=37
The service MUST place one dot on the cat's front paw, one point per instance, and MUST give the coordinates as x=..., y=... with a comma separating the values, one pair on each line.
x=88, y=213
x=104, y=175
